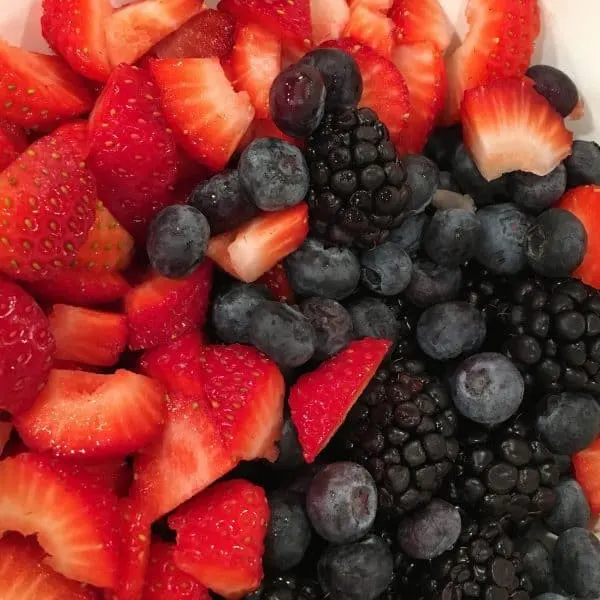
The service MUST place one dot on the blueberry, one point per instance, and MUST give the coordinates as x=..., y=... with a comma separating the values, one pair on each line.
x=233, y=308
x=331, y=272
x=583, y=166
x=297, y=100
x=557, y=87
x=289, y=534
x=431, y=531
x=386, y=269
x=534, y=194
x=452, y=236
x=571, y=508
x=423, y=178
x=332, y=324
x=503, y=238
x=290, y=451
x=450, y=329
x=550, y=596
x=537, y=564
x=223, y=202
x=359, y=571
x=577, y=562
x=487, y=388
x=408, y=236
x=283, y=333
x=568, y=422
x=342, y=502
x=341, y=75
x=373, y=318
x=177, y=240
x=431, y=284
x=442, y=144
x=556, y=243
x=447, y=182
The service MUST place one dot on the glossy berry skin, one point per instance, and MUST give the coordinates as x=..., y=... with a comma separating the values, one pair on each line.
x=408, y=236
x=297, y=100
x=583, y=166
x=423, y=178
x=372, y=317
x=534, y=194
x=556, y=86
x=571, y=508
x=27, y=348
x=386, y=269
x=431, y=283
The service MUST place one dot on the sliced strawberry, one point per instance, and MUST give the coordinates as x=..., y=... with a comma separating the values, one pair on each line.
x=115, y=473
x=202, y=107
x=584, y=203
x=289, y=20
x=378, y=5
x=257, y=246
x=424, y=70
x=587, y=472
x=329, y=18
x=93, y=415
x=164, y=575
x=267, y=128
x=209, y=33
x=319, y=401
x=76, y=30
x=74, y=517
x=24, y=576
x=5, y=433
x=422, y=21
x=371, y=28
x=13, y=141
x=137, y=27
x=220, y=537
x=133, y=153
x=255, y=62
x=160, y=310
x=277, y=282
x=508, y=126
x=89, y=337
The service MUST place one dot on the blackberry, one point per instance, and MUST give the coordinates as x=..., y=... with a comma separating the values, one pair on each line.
x=402, y=429
x=358, y=187
x=287, y=587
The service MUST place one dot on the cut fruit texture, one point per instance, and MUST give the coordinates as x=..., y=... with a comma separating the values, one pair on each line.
x=421, y=21
x=587, y=472
x=329, y=19
x=382, y=6
x=372, y=29
x=277, y=282
x=13, y=141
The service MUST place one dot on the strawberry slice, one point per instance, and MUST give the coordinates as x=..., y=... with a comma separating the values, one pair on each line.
x=371, y=28
x=13, y=141
x=587, y=472
x=202, y=107
x=220, y=537
x=277, y=282
x=5, y=433
x=319, y=401
x=115, y=473
x=422, y=21
x=137, y=27
x=255, y=62
x=75, y=30
x=424, y=70
x=209, y=33
x=378, y=5
x=508, y=126
x=89, y=337
x=329, y=18
x=288, y=20
x=24, y=576
x=257, y=246
x=73, y=516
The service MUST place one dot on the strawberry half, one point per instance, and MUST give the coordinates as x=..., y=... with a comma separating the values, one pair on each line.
x=220, y=537
x=329, y=18
x=319, y=401
x=89, y=337
x=587, y=472
x=5, y=433
x=277, y=282
x=508, y=126
x=13, y=141
x=114, y=473
x=74, y=517
x=75, y=29
x=250, y=251
x=421, y=21
x=203, y=109
x=371, y=28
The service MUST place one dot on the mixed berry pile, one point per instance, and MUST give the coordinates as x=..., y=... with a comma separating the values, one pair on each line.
x=299, y=300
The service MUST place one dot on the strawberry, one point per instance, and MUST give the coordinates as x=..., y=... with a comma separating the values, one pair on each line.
x=319, y=401
x=136, y=28
x=93, y=415
x=329, y=18
x=277, y=282
x=160, y=310
x=508, y=126
x=267, y=128
x=47, y=206
x=587, y=472
x=25, y=576
x=584, y=203
x=288, y=20
x=89, y=337
x=382, y=6
x=36, y=89
x=424, y=70
x=421, y=21
x=165, y=576
x=255, y=62
x=5, y=433
x=200, y=104
x=220, y=537
x=114, y=473
x=13, y=141
x=384, y=88
x=257, y=246
x=76, y=30
x=132, y=151
x=371, y=28
x=27, y=348
x=210, y=33
x=73, y=516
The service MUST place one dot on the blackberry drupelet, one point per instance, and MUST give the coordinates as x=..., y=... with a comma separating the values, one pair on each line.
x=358, y=185
x=287, y=587
x=402, y=430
